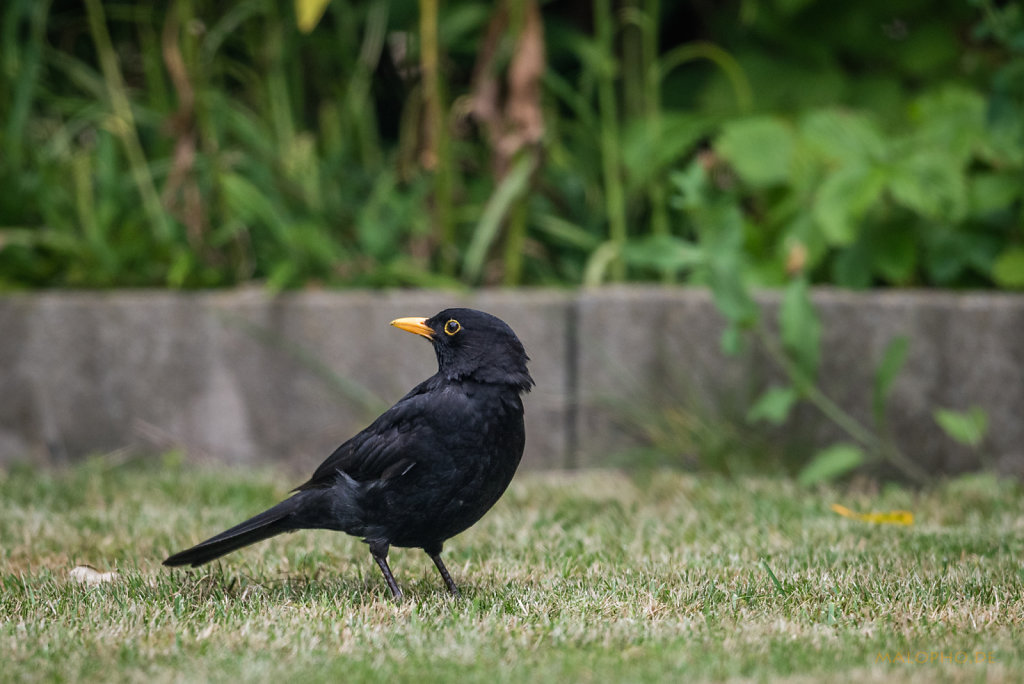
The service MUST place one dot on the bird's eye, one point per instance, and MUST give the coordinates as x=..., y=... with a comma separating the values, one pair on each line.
x=452, y=327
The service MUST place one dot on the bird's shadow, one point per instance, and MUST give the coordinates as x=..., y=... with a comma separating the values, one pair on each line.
x=218, y=585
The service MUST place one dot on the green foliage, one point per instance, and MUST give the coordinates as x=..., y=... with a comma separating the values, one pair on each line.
x=192, y=144
x=966, y=427
x=800, y=328
x=889, y=367
x=774, y=405
x=719, y=257
x=760, y=149
x=251, y=187
x=928, y=203
x=1008, y=269
x=832, y=463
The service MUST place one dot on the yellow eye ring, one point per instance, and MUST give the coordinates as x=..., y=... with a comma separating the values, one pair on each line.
x=452, y=327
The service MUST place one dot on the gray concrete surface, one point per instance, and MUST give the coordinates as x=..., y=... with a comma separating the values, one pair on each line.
x=247, y=377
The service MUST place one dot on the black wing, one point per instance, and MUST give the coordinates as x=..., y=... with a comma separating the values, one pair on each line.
x=387, y=448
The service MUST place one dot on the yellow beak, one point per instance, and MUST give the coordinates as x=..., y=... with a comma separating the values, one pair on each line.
x=417, y=326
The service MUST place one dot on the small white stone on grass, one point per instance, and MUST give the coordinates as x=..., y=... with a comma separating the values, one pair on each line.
x=86, y=574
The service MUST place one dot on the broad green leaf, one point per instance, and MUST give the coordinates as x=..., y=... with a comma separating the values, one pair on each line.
x=760, y=149
x=950, y=120
x=1008, y=270
x=730, y=293
x=831, y=463
x=666, y=253
x=930, y=182
x=889, y=367
x=1004, y=118
x=843, y=199
x=800, y=327
x=648, y=148
x=732, y=339
x=720, y=229
x=842, y=137
x=992, y=192
x=773, y=406
x=966, y=427
x=690, y=185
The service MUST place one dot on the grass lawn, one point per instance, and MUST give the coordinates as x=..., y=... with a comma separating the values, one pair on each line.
x=592, y=576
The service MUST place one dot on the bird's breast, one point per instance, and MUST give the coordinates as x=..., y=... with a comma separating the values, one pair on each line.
x=471, y=417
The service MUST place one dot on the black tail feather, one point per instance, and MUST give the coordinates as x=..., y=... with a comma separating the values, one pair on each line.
x=269, y=523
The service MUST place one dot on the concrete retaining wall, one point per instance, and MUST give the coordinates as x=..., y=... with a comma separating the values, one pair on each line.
x=246, y=377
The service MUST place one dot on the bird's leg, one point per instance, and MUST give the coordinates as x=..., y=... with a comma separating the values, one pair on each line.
x=436, y=557
x=379, y=551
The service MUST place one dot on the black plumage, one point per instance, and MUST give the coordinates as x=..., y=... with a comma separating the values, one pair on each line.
x=428, y=468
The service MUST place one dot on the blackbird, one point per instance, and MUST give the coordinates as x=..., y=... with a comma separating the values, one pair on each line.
x=427, y=468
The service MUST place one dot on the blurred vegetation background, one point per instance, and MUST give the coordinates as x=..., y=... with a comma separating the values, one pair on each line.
x=193, y=144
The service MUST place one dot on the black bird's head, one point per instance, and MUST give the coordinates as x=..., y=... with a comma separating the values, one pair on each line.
x=473, y=345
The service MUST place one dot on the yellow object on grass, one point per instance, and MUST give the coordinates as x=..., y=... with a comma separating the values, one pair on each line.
x=886, y=518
